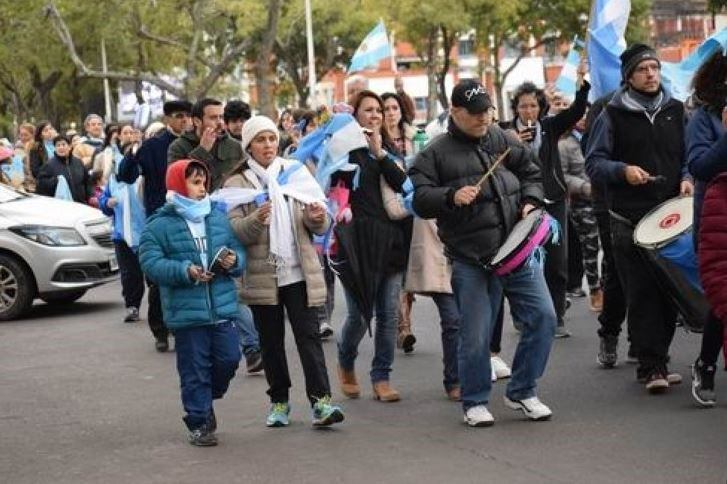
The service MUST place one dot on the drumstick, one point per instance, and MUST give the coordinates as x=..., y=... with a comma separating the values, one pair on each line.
x=491, y=170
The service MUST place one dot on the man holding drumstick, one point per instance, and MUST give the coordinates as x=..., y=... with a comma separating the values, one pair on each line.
x=474, y=217
x=637, y=150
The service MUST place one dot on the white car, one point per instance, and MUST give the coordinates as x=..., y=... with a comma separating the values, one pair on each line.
x=50, y=249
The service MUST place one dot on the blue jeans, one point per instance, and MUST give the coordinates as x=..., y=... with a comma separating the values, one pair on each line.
x=207, y=358
x=249, y=338
x=449, y=317
x=479, y=296
x=354, y=329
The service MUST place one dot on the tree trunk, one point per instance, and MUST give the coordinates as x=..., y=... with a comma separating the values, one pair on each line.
x=432, y=75
x=447, y=41
x=266, y=101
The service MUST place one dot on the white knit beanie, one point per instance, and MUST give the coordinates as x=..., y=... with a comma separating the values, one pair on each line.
x=255, y=126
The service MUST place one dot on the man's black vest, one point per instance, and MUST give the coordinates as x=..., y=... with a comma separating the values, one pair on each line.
x=658, y=148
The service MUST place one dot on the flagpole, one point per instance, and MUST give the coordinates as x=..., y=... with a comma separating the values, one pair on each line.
x=106, y=90
x=311, y=55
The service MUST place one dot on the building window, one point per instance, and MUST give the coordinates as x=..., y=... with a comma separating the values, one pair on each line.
x=466, y=47
x=420, y=103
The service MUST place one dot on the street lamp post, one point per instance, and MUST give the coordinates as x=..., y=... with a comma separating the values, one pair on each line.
x=311, y=55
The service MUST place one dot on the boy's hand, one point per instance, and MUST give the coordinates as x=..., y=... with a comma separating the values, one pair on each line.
x=198, y=274
x=228, y=261
x=111, y=202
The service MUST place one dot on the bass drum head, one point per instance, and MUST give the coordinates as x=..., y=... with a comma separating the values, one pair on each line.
x=665, y=223
x=517, y=237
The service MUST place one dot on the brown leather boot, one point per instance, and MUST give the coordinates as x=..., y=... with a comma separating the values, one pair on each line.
x=383, y=392
x=597, y=301
x=405, y=340
x=348, y=382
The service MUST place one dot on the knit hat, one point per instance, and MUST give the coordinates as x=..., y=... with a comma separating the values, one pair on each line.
x=633, y=56
x=176, y=180
x=255, y=126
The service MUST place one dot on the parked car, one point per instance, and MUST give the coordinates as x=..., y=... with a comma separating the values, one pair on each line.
x=50, y=249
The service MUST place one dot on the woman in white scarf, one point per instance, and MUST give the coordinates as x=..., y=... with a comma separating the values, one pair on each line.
x=275, y=207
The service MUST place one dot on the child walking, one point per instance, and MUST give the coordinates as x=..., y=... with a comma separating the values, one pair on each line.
x=189, y=250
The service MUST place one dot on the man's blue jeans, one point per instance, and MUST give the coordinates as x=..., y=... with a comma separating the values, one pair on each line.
x=207, y=358
x=354, y=329
x=449, y=318
x=249, y=338
x=479, y=295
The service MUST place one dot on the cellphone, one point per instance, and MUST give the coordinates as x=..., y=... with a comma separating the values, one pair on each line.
x=367, y=131
x=216, y=266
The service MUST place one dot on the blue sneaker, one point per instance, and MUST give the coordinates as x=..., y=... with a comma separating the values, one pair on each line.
x=325, y=413
x=278, y=416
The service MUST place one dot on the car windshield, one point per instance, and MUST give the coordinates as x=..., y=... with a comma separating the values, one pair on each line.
x=8, y=194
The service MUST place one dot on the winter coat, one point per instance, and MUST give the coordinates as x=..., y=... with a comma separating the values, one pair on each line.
x=75, y=174
x=226, y=154
x=259, y=285
x=150, y=161
x=706, y=154
x=166, y=252
x=574, y=167
x=474, y=233
x=552, y=130
x=429, y=271
x=713, y=246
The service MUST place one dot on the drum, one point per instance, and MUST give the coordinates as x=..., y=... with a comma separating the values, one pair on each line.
x=526, y=236
x=665, y=238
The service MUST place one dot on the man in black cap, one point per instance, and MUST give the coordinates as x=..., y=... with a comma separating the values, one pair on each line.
x=474, y=218
x=637, y=150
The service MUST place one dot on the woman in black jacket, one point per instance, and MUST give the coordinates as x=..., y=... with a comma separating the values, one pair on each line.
x=541, y=133
x=42, y=149
x=65, y=165
x=373, y=228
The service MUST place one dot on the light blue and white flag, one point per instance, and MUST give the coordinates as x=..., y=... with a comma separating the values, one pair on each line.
x=677, y=76
x=606, y=43
x=372, y=50
x=568, y=77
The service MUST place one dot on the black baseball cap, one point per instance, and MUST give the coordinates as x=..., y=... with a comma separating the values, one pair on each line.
x=471, y=95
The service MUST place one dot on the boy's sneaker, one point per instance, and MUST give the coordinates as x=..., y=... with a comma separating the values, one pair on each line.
x=325, y=413
x=561, y=332
x=607, y=356
x=478, y=416
x=132, y=315
x=202, y=437
x=703, y=384
x=254, y=362
x=500, y=368
x=325, y=330
x=576, y=292
x=278, y=415
x=532, y=407
x=657, y=382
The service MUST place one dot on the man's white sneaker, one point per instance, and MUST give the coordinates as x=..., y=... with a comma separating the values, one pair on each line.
x=532, y=407
x=500, y=368
x=493, y=373
x=478, y=416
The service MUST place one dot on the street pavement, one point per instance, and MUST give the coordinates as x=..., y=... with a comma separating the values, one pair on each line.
x=85, y=398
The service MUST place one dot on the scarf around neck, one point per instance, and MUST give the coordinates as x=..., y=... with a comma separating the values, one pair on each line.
x=189, y=209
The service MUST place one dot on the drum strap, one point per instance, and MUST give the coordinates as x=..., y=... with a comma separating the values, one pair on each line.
x=621, y=218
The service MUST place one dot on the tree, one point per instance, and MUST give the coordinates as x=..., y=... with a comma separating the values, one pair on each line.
x=337, y=34
x=207, y=37
x=432, y=28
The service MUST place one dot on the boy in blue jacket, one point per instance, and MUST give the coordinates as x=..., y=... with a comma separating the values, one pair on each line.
x=189, y=250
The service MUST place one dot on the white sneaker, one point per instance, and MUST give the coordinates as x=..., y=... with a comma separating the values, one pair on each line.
x=494, y=374
x=500, y=369
x=325, y=330
x=478, y=416
x=532, y=407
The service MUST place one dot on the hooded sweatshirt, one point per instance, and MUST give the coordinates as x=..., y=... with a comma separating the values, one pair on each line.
x=646, y=131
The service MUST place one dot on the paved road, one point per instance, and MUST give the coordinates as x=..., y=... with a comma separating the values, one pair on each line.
x=85, y=398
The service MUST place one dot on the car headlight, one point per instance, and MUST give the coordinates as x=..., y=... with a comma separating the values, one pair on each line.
x=52, y=236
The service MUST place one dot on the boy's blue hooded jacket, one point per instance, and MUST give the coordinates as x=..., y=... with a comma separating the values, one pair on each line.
x=167, y=250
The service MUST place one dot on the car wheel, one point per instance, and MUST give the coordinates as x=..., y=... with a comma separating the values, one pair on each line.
x=17, y=289
x=67, y=297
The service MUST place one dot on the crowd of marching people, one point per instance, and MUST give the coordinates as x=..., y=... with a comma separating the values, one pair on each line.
x=233, y=223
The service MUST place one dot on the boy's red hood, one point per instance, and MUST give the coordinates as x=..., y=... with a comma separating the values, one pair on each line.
x=176, y=181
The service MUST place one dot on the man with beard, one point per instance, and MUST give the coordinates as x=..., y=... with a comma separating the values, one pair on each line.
x=208, y=142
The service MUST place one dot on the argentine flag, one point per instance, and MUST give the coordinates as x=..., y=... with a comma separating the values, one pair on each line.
x=373, y=49
x=677, y=76
x=606, y=43
x=568, y=77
